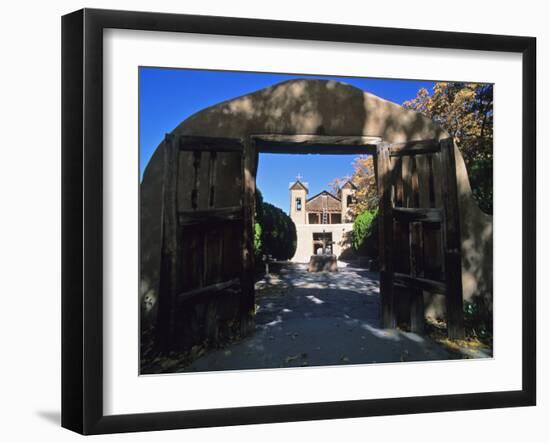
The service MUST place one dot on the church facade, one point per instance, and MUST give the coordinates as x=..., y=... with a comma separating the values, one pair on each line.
x=323, y=222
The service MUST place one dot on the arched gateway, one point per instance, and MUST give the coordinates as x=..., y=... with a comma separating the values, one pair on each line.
x=197, y=198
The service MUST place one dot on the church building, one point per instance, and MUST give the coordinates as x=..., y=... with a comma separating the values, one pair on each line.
x=323, y=222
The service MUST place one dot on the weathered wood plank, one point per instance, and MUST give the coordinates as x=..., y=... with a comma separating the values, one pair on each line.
x=386, y=236
x=232, y=253
x=210, y=215
x=438, y=177
x=204, y=144
x=229, y=179
x=415, y=253
x=452, y=242
x=196, y=179
x=420, y=283
x=204, y=181
x=416, y=268
x=264, y=140
x=400, y=249
x=169, y=283
x=375, y=163
x=213, y=244
x=398, y=182
x=410, y=215
x=185, y=296
x=423, y=181
x=414, y=148
x=275, y=148
x=415, y=195
x=186, y=180
x=249, y=162
x=406, y=174
x=212, y=179
x=431, y=183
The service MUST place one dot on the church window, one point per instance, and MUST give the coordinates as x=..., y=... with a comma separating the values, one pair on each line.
x=298, y=204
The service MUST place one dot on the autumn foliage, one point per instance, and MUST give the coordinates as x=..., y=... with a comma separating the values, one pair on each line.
x=465, y=111
x=366, y=196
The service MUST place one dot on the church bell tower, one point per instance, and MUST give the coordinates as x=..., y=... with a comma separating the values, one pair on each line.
x=298, y=196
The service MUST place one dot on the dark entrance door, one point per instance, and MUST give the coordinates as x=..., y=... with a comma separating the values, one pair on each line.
x=420, y=247
x=322, y=243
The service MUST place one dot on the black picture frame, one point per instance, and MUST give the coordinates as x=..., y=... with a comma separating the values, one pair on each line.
x=82, y=215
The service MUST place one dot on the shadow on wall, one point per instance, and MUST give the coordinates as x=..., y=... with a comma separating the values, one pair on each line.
x=311, y=107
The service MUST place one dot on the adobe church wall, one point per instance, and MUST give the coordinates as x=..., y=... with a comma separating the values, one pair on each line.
x=304, y=234
x=324, y=108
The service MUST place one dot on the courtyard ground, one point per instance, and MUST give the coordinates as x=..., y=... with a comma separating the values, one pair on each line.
x=311, y=319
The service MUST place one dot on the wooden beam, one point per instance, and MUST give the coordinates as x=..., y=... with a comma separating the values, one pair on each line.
x=429, y=215
x=416, y=256
x=414, y=148
x=212, y=179
x=419, y=283
x=416, y=248
x=452, y=242
x=201, y=143
x=210, y=215
x=184, y=296
x=398, y=182
x=315, y=144
x=246, y=307
x=385, y=219
x=169, y=283
x=312, y=139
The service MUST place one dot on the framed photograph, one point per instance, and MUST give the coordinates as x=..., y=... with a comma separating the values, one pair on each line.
x=269, y=221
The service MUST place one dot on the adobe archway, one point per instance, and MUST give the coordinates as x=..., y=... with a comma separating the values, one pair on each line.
x=314, y=107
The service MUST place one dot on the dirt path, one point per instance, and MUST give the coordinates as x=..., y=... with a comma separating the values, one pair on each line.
x=311, y=319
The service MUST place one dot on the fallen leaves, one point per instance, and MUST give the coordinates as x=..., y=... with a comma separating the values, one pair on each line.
x=293, y=358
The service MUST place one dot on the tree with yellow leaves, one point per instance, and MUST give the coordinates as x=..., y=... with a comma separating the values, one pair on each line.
x=465, y=111
x=366, y=196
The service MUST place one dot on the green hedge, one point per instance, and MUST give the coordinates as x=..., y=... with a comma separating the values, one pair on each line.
x=274, y=232
x=364, y=236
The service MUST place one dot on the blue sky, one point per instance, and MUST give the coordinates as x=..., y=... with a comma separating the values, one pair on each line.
x=169, y=96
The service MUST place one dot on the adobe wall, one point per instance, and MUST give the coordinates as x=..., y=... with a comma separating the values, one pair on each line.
x=324, y=108
x=304, y=234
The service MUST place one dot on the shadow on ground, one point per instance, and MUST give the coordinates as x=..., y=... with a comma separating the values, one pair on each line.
x=313, y=319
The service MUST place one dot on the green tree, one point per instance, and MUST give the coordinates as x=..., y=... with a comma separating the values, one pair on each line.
x=278, y=233
x=258, y=214
x=274, y=231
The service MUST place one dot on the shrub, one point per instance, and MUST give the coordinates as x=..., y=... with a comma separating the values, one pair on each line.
x=364, y=236
x=257, y=239
x=276, y=233
x=480, y=173
x=478, y=318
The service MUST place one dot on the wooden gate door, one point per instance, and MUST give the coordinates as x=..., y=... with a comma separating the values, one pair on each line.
x=206, y=293
x=420, y=246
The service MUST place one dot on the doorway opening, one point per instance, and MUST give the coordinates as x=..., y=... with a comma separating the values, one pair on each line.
x=322, y=243
x=398, y=170
x=410, y=217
